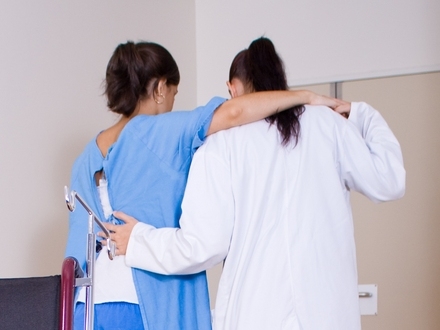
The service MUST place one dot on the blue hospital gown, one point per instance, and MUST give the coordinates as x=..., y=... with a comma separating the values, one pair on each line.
x=147, y=170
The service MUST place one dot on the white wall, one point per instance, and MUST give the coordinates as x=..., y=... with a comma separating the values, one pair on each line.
x=320, y=41
x=52, y=63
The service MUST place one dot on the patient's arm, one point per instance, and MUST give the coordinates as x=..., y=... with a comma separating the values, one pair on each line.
x=252, y=107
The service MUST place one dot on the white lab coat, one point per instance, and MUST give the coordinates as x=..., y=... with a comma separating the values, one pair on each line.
x=281, y=217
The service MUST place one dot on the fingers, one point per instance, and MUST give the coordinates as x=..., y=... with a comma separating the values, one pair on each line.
x=117, y=250
x=338, y=102
x=344, y=109
x=110, y=227
x=124, y=217
x=119, y=234
x=331, y=102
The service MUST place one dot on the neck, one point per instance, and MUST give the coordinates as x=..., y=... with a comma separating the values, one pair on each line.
x=147, y=107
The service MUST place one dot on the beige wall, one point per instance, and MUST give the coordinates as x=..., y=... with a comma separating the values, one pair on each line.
x=52, y=63
x=51, y=68
x=398, y=243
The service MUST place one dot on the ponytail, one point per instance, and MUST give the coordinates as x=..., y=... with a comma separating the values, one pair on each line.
x=133, y=73
x=260, y=68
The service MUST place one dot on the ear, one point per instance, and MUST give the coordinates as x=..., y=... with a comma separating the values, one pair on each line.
x=231, y=89
x=161, y=87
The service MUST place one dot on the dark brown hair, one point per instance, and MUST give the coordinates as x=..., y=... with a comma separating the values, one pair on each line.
x=261, y=68
x=133, y=73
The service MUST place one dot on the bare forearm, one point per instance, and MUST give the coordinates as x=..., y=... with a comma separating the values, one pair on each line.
x=256, y=106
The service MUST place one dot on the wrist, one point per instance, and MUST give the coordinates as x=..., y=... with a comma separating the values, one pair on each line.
x=309, y=97
x=303, y=97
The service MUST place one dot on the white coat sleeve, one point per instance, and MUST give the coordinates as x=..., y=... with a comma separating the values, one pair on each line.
x=206, y=224
x=371, y=163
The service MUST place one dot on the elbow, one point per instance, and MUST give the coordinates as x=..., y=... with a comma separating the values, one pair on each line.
x=393, y=189
x=399, y=185
x=235, y=115
x=394, y=194
x=400, y=190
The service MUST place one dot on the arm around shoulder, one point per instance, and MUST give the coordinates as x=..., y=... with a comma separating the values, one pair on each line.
x=252, y=107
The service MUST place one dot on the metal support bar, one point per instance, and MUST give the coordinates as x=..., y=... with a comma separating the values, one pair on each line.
x=87, y=281
x=336, y=90
x=90, y=270
x=70, y=202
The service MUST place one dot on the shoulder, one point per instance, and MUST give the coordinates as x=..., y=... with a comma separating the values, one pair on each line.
x=90, y=156
x=89, y=161
x=318, y=112
x=239, y=134
x=177, y=118
x=90, y=152
x=321, y=117
x=209, y=107
x=214, y=103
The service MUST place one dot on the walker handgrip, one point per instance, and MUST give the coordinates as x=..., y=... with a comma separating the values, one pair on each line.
x=70, y=202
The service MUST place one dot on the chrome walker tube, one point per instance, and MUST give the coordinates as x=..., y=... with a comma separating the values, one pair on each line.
x=87, y=281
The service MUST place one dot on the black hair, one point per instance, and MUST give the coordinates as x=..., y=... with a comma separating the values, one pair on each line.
x=133, y=73
x=260, y=68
